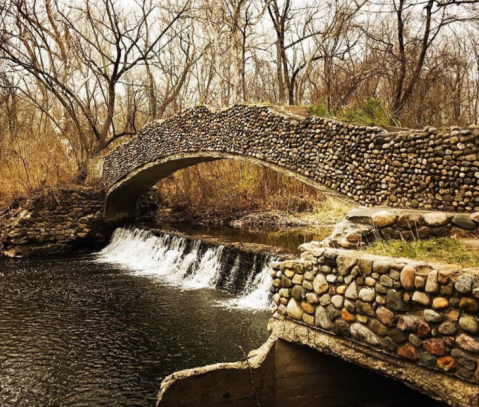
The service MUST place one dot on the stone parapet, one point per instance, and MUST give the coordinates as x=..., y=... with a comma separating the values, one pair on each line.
x=431, y=169
x=363, y=226
x=424, y=313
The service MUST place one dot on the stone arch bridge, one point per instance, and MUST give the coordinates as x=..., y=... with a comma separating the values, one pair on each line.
x=424, y=169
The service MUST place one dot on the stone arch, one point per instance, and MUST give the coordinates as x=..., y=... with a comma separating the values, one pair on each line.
x=122, y=196
x=424, y=169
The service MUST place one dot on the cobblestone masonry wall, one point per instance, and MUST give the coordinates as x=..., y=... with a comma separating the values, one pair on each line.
x=361, y=227
x=424, y=313
x=429, y=168
x=59, y=222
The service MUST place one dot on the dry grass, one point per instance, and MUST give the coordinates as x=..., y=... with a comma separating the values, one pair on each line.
x=34, y=160
x=440, y=250
x=229, y=190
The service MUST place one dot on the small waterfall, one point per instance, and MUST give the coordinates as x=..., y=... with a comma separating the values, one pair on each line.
x=192, y=264
x=256, y=294
x=207, y=273
x=230, y=282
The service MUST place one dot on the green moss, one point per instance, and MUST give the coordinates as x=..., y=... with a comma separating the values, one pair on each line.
x=441, y=250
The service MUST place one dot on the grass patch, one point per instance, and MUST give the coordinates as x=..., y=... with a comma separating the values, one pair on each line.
x=441, y=250
x=371, y=113
x=329, y=210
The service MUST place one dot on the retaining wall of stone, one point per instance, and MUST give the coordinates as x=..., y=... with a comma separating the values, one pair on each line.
x=60, y=221
x=424, y=313
x=427, y=169
x=363, y=226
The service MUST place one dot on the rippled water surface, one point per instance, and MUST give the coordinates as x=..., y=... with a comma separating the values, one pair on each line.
x=78, y=333
x=288, y=238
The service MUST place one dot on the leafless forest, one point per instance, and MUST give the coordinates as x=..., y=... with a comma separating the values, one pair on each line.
x=76, y=75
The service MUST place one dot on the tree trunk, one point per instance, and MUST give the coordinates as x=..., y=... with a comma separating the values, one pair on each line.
x=110, y=111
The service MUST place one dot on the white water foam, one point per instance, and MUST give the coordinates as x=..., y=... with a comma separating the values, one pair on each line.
x=168, y=257
x=256, y=295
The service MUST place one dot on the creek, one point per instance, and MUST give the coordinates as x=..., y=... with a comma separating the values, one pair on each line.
x=106, y=328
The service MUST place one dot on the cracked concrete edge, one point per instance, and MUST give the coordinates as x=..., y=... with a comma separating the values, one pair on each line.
x=254, y=360
x=453, y=391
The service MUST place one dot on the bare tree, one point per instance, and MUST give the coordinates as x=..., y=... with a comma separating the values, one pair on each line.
x=110, y=42
x=418, y=26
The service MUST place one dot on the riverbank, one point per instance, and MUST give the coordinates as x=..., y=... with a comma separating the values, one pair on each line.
x=327, y=213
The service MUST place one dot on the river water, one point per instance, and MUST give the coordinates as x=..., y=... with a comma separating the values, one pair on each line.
x=288, y=239
x=105, y=329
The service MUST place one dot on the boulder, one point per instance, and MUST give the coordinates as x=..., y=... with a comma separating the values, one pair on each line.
x=463, y=221
x=408, y=276
x=434, y=346
x=365, y=308
x=320, y=284
x=341, y=328
x=367, y=294
x=395, y=301
x=435, y=219
x=352, y=291
x=322, y=319
x=428, y=360
x=337, y=300
x=408, y=352
x=378, y=328
x=409, y=221
x=297, y=292
x=386, y=316
x=447, y=364
x=312, y=298
x=447, y=328
x=469, y=324
x=440, y=303
x=424, y=329
x=468, y=343
x=432, y=285
x=432, y=316
x=464, y=284
x=469, y=304
x=363, y=334
x=347, y=316
x=464, y=359
x=383, y=218
x=345, y=264
x=294, y=310
x=407, y=323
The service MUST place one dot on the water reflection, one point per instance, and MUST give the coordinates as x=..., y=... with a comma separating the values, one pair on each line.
x=286, y=238
x=77, y=333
